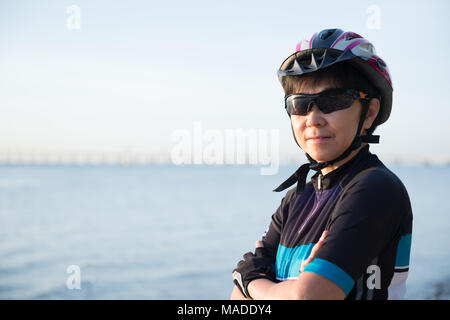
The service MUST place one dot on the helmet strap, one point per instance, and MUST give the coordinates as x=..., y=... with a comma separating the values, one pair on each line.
x=300, y=175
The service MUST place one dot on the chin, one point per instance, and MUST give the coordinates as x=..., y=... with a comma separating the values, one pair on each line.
x=322, y=155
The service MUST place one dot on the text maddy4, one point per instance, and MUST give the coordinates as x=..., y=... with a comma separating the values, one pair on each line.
x=225, y=310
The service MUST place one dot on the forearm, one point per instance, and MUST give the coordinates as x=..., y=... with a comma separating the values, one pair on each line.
x=263, y=289
x=236, y=294
x=308, y=286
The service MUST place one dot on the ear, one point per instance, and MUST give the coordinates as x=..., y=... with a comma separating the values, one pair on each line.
x=374, y=108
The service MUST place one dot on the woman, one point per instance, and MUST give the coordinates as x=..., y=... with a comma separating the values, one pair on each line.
x=346, y=234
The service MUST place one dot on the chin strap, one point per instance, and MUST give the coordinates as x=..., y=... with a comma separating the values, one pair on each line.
x=300, y=175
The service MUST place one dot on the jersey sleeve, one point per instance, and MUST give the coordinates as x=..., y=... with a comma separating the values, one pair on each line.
x=272, y=237
x=366, y=219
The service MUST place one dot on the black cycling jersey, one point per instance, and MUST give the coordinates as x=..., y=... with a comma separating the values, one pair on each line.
x=367, y=212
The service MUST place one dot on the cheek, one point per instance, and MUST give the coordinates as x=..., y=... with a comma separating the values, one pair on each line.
x=344, y=124
x=298, y=124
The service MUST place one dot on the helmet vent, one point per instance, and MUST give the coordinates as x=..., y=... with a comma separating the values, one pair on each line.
x=326, y=33
x=351, y=36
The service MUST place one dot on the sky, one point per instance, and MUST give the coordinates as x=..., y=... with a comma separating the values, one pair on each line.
x=128, y=74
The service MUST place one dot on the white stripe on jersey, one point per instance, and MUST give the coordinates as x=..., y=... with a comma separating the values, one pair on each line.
x=397, y=288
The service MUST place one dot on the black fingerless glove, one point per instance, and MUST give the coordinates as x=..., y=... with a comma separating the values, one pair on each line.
x=254, y=266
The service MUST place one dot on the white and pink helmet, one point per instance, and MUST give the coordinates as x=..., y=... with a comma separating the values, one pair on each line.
x=332, y=46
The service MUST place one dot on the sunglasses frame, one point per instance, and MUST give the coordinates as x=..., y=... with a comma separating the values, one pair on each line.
x=354, y=93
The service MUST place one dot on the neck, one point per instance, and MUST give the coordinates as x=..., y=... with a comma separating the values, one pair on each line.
x=336, y=165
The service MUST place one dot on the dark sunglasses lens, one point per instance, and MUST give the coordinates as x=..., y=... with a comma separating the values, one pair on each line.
x=333, y=102
x=297, y=105
x=327, y=102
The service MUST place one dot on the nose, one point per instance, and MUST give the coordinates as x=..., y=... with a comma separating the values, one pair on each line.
x=315, y=117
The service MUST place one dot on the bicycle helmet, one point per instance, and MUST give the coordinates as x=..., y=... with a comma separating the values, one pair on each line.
x=333, y=46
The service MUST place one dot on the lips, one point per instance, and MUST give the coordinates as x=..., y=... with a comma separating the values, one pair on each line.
x=318, y=139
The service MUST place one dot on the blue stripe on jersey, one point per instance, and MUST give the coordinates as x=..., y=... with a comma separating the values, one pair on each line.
x=333, y=272
x=403, y=251
x=289, y=260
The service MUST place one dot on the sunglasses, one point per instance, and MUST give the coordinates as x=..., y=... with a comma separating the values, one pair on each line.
x=327, y=101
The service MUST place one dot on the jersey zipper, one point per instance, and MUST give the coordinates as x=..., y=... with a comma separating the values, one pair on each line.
x=319, y=182
x=316, y=203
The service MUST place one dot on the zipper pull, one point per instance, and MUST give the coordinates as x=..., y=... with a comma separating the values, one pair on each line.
x=319, y=182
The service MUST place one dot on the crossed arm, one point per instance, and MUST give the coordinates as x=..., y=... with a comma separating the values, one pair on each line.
x=308, y=285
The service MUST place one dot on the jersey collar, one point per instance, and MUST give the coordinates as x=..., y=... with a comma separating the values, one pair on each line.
x=331, y=178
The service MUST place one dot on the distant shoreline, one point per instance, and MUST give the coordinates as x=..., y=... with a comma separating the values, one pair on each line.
x=151, y=164
x=128, y=157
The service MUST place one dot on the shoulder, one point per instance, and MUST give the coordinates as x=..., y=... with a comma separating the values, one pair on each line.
x=377, y=179
x=291, y=195
x=375, y=190
x=375, y=197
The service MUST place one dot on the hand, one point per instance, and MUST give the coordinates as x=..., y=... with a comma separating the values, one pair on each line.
x=314, y=250
x=253, y=266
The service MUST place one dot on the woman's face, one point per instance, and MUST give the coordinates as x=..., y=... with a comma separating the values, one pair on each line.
x=326, y=136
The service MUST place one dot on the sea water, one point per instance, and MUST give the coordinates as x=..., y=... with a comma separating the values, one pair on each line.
x=170, y=232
